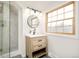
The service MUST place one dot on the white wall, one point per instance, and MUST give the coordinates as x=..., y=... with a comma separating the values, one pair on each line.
x=58, y=45
x=65, y=45
x=20, y=32
x=25, y=28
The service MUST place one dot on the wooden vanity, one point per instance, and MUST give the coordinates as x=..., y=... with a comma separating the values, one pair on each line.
x=36, y=46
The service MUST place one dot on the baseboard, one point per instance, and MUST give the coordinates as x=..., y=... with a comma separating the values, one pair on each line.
x=52, y=56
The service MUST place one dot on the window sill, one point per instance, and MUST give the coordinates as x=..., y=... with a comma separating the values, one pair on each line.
x=69, y=36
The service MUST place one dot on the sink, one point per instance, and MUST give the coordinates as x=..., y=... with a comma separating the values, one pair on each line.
x=30, y=35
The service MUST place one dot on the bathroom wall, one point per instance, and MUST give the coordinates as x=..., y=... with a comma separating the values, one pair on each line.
x=26, y=28
x=65, y=45
x=58, y=45
x=40, y=29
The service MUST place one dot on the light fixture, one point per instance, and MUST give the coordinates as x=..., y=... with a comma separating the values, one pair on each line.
x=34, y=10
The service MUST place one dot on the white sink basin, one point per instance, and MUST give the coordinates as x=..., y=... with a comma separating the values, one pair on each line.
x=36, y=35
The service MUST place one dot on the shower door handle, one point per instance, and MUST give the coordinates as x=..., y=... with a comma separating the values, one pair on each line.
x=1, y=24
x=0, y=50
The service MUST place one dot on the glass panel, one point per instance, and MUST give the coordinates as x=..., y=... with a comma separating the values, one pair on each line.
x=67, y=22
x=61, y=17
x=13, y=29
x=53, y=24
x=60, y=23
x=68, y=29
x=49, y=24
x=6, y=31
x=49, y=19
x=59, y=29
x=60, y=11
x=1, y=21
x=68, y=8
x=54, y=13
x=49, y=29
x=54, y=18
x=49, y=14
x=53, y=29
x=69, y=14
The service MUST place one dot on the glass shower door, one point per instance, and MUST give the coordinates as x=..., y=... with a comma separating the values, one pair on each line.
x=8, y=29
x=1, y=21
x=4, y=30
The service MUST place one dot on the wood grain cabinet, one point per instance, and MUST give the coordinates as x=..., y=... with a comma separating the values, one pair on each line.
x=36, y=46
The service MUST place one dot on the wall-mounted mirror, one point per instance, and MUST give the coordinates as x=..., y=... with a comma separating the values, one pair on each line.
x=33, y=22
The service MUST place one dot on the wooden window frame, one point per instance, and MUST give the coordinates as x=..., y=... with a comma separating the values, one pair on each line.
x=73, y=18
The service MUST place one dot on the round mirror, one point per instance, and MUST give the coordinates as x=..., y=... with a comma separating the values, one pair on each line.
x=33, y=21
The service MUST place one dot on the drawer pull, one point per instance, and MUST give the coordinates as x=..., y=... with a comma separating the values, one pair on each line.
x=40, y=45
x=40, y=40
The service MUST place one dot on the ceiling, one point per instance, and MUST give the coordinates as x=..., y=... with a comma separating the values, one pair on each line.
x=40, y=5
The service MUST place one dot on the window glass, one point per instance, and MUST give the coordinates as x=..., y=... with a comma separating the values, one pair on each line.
x=53, y=29
x=68, y=8
x=60, y=11
x=59, y=23
x=49, y=14
x=61, y=17
x=67, y=29
x=49, y=24
x=67, y=22
x=69, y=15
x=61, y=20
x=54, y=18
x=49, y=19
x=53, y=24
x=59, y=29
x=49, y=29
x=54, y=13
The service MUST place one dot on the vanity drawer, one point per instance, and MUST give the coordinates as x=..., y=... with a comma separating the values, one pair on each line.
x=38, y=41
x=38, y=47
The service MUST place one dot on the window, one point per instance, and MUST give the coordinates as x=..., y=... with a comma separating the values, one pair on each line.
x=61, y=20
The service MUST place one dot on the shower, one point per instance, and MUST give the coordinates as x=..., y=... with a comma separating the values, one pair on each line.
x=8, y=29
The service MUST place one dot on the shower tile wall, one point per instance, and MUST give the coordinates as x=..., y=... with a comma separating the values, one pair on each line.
x=13, y=28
